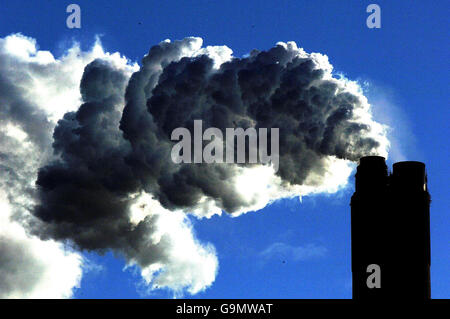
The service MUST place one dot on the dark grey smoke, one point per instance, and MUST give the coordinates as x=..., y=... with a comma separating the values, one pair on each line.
x=108, y=153
x=268, y=89
x=85, y=195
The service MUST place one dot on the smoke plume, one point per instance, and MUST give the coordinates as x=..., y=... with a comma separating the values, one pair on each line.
x=105, y=179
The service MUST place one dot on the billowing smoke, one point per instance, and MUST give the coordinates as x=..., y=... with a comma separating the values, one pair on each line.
x=35, y=90
x=111, y=184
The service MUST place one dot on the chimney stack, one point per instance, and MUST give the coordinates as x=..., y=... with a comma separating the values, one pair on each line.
x=390, y=231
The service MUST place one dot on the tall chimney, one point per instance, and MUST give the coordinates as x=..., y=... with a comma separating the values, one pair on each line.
x=390, y=231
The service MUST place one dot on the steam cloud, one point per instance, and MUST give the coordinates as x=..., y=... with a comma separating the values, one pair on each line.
x=105, y=179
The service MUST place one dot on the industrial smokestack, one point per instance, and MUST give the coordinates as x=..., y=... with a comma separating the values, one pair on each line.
x=390, y=231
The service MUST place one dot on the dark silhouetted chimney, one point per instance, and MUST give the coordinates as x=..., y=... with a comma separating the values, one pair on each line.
x=390, y=230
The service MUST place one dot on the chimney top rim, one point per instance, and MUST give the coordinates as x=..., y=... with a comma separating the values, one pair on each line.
x=408, y=166
x=372, y=159
x=409, y=163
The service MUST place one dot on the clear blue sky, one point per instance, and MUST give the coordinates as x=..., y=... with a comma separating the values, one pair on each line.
x=406, y=61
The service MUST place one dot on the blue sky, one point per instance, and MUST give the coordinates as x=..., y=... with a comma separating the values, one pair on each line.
x=406, y=65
